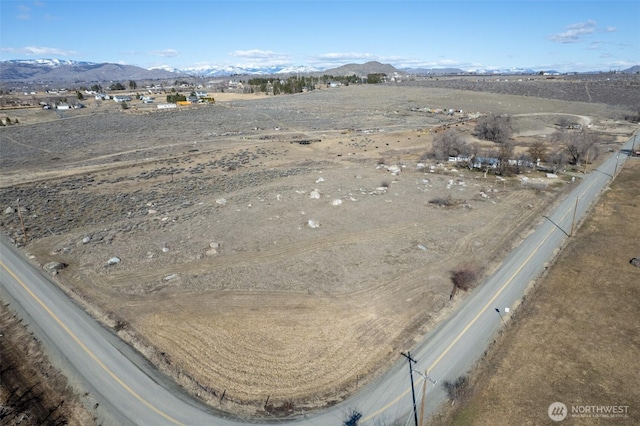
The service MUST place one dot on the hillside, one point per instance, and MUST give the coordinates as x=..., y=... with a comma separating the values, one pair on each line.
x=58, y=72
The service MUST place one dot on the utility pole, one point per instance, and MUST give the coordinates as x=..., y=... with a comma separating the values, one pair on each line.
x=413, y=392
x=424, y=393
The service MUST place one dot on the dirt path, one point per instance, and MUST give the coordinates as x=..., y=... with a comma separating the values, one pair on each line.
x=221, y=281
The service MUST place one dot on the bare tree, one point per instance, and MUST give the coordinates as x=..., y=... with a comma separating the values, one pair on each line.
x=449, y=144
x=565, y=123
x=579, y=145
x=557, y=158
x=505, y=153
x=538, y=151
x=496, y=128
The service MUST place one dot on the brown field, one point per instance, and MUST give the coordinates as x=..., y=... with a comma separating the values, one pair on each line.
x=33, y=392
x=576, y=338
x=222, y=282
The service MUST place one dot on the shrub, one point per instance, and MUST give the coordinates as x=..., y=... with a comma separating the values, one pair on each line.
x=463, y=278
x=456, y=389
x=443, y=201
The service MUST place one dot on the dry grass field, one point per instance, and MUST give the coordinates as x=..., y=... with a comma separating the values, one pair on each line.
x=33, y=392
x=257, y=267
x=576, y=338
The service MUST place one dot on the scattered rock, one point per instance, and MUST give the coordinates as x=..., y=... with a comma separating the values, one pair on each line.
x=394, y=170
x=314, y=194
x=320, y=179
x=86, y=240
x=54, y=267
x=336, y=202
x=221, y=201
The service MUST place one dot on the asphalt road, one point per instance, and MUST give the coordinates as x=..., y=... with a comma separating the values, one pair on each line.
x=129, y=391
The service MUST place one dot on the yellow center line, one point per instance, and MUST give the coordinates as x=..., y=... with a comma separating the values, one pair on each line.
x=371, y=416
x=473, y=321
x=87, y=350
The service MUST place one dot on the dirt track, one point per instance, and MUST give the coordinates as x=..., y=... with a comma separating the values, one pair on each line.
x=222, y=282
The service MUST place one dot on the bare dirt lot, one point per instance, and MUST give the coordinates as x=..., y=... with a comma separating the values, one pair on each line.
x=272, y=247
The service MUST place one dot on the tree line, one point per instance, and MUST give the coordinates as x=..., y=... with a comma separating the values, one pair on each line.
x=571, y=144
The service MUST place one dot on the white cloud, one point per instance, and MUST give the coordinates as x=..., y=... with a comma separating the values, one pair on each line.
x=39, y=51
x=594, y=45
x=24, y=12
x=258, y=58
x=576, y=32
x=166, y=53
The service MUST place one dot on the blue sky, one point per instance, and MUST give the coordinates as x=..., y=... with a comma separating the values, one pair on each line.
x=542, y=35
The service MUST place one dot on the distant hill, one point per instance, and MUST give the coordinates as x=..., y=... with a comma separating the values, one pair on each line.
x=55, y=71
x=361, y=70
x=439, y=71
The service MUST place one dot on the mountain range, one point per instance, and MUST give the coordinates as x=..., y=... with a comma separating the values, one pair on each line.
x=56, y=71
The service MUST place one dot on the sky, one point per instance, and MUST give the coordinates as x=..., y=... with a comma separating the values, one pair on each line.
x=541, y=35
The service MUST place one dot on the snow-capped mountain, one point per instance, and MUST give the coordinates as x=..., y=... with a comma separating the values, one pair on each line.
x=56, y=71
x=217, y=71
x=51, y=63
x=46, y=71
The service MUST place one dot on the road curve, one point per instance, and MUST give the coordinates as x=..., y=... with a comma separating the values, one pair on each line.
x=128, y=390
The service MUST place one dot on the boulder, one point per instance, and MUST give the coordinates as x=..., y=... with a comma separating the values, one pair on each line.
x=54, y=267
x=394, y=170
x=635, y=262
x=113, y=261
